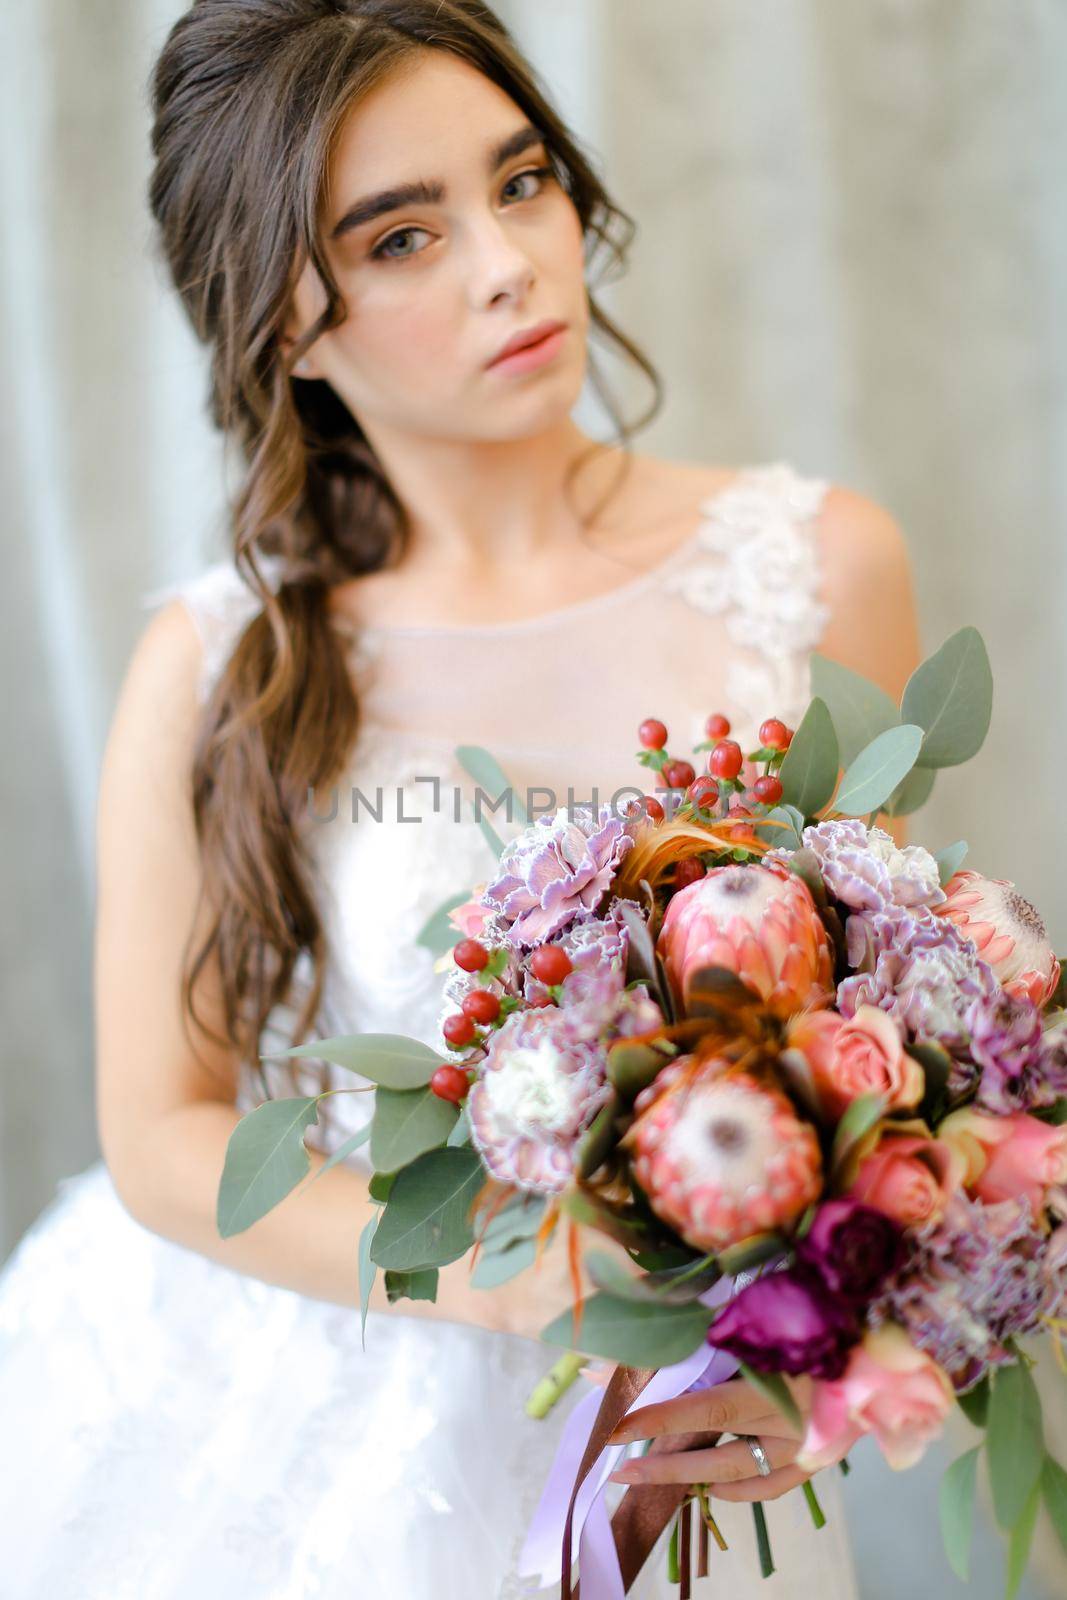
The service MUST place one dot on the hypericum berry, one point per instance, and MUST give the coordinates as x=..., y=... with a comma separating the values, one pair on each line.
x=470, y=955
x=688, y=871
x=450, y=1082
x=717, y=726
x=550, y=964
x=789, y=732
x=703, y=793
x=458, y=1029
x=652, y=808
x=772, y=734
x=652, y=733
x=726, y=760
x=679, y=774
x=768, y=789
x=481, y=1005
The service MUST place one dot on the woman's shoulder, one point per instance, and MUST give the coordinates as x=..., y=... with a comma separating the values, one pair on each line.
x=209, y=608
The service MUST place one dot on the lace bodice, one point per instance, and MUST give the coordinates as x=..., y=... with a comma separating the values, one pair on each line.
x=726, y=623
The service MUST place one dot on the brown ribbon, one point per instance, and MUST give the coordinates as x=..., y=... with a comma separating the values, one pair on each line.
x=645, y=1509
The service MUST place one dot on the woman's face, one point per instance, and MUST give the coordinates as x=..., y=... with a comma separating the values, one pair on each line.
x=435, y=286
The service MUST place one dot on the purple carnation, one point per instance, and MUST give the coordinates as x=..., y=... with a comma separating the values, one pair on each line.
x=557, y=868
x=919, y=969
x=596, y=945
x=853, y=1248
x=867, y=870
x=787, y=1321
x=1006, y=1044
x=972, y=1280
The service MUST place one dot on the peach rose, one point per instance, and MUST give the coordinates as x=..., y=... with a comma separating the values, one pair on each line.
x=862, y=1054
x=469, y=918
x=1008, y=1157
x=890, y=1388
x=905, y=1172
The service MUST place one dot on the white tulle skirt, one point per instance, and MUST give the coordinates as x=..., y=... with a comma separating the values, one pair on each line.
x=173, y=1430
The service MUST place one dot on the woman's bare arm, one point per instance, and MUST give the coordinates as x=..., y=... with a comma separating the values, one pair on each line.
x=164, y=1111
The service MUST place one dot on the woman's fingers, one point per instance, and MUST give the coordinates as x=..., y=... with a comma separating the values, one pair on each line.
x=776, y=1483
x=731, y=1407
x=723, y=1464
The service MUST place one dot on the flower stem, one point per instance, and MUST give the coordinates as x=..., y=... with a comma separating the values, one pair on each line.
x=709, y=1520
x=814, y=1507
x=766, y=1560
x=674, y=1571
x=556, y=1382
x=844, y=1465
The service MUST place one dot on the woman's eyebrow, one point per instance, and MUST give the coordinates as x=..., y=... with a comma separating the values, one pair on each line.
x=431, y=191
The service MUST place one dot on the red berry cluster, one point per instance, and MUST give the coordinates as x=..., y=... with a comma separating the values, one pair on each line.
x=480, y=1008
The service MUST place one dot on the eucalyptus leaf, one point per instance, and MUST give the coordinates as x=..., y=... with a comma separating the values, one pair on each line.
x=950, y=696
x=608, y=1273
x=427, y=1222
x=779, y=829
x=912, y=792
x=949, y=859
x=598, y=1140
x=750, y=1252
x=461, y=1129
x=343, y=1151
x=406, y=1124
x=1019, y=1542
x=632, y=1066
x=937, y=1066
x=367, y=1273
x=488, y=774
x=389, y=1059
x=519, y=1219
x=805, y=863
x=860, y=709
x=808, y=773
x=437, y=933
x=633, y=1334
x=265, y=1160
x=956, y=1506
x=420, y=1285
x=974, y=1402
x=873, y=775
x=1054, y=1490
x=500, y=1266
x=1014, y=1441
x=592, y=1212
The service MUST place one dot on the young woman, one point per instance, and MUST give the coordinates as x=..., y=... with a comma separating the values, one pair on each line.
x=364, y=208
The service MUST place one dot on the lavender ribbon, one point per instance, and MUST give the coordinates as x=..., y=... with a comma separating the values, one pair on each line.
x=598, y=1562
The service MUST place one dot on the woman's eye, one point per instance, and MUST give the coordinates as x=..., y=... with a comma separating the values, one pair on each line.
x=384, y=252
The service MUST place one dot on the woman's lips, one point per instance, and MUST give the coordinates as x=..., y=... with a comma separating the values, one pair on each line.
x=531, y=355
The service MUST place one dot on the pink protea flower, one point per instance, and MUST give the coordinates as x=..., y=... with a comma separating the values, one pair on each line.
x=719, y=1155
x=759, y=921
x=542, y=1083
x=1007, y=931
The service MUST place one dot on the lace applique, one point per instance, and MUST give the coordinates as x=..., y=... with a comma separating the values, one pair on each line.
x=761, y=572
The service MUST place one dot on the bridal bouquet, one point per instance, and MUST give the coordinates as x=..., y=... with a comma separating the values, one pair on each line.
x=812, y=1087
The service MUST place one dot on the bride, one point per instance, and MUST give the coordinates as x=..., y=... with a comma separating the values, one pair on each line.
x=385, y=237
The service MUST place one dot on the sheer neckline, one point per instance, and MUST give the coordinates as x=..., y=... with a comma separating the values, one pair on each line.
x=564, y=613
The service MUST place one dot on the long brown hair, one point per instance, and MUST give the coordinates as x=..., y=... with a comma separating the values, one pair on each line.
x=247, y=99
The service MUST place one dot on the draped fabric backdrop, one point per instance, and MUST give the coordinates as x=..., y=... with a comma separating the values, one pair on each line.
x=852, y=253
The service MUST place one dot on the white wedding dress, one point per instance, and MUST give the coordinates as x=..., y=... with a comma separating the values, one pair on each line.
x=174, y=1430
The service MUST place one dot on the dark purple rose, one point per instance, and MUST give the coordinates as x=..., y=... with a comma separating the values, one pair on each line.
x=787, y=1321
x=852, y=1247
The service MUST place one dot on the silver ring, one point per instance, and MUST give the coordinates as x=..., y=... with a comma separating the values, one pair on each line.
x=759, y=1456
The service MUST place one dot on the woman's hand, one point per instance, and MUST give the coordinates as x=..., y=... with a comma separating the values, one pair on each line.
x=729, y=1470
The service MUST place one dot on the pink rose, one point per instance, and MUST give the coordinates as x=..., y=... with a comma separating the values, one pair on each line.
x=910, y=1176
x=1008, y=1157
x=862, y=1054
x=469, y=918
x=890, y=1388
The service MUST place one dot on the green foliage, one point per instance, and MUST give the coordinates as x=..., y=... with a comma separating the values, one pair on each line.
x=343, y=1151
x=949, y=860
x=860, y=709
x=407, y=1123
x=632, y=1332
x=808, y=773
x=956, y=1506
x=265, y=1160
x=859, y=1118
x=950, y=696
x=437, y=933
x=1014, y=1441
x=427, y=1221
x=773, y=1387
x=367, y=1274
x=421, y=1285
x=870, y=779
x=388, y=1059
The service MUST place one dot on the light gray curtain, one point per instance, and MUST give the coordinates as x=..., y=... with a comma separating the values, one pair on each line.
x=852, y=253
